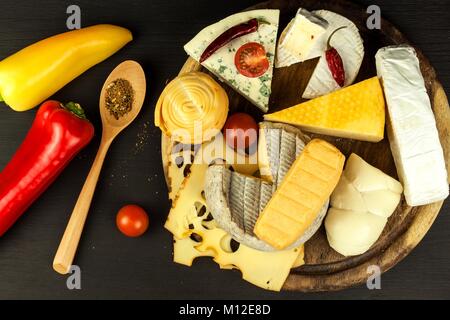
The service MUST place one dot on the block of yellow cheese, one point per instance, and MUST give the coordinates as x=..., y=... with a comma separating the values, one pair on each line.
x=302, y=193
x=356, y=112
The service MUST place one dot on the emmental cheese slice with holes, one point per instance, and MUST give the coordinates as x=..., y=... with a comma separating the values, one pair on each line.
x=196, y=235
x=302, y=193
x=356, y=112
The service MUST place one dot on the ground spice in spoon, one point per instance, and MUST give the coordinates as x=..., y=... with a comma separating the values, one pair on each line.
x=119, y=97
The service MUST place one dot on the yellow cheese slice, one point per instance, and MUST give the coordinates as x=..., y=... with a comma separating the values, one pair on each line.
x=300, y=259
x=267, y=270
x=356, y=112
x=302, y=193
x=181, y=156
x=184, y=251
x=196, y=236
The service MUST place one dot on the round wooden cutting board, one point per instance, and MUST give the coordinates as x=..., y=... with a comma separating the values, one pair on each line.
x=325, y=269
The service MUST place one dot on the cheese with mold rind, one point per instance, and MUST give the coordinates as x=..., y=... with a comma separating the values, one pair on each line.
x=412, y=130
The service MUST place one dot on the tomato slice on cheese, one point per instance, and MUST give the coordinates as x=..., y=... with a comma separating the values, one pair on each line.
x=251, y=60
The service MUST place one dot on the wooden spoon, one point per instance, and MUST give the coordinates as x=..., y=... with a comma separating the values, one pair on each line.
x=128, y=70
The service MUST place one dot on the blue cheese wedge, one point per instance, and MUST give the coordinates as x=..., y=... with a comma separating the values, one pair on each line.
x=221, y=63
x=299, y=38
x=412, y=131
x=347, y=42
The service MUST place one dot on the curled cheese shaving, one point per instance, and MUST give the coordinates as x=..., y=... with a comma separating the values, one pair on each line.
x=192, y=108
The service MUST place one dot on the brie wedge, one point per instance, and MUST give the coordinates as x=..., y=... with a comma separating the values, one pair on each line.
x=221, y=63
x=299, y=37
x=347, y=42
x=412, y=131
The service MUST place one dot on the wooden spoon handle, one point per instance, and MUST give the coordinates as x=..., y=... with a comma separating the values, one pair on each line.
x=69, y=243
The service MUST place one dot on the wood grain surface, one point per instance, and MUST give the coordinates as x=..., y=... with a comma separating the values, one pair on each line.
x=116, y=267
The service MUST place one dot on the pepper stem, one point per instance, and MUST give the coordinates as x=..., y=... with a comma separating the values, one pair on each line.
x=331, y=36
x=262, y=21
x=75, y=108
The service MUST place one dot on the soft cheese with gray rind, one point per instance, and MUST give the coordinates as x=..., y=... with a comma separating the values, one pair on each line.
x=221, y=63
x=278, y=147
x=236, y=200
x=412, y=130
x=347, y=42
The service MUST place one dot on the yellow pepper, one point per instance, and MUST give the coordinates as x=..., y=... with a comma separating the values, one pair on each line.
x=36, y=72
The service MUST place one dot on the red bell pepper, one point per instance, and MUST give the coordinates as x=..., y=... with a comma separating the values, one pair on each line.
x=58, y=133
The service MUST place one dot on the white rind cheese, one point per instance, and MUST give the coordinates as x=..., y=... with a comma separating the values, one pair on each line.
x=348, y=43
x=299, y=38
x=221, y=63
x=412, y=128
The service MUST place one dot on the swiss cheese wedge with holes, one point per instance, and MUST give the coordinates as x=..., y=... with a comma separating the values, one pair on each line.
x=196, y=233
x=302, y=193
x=356, y=112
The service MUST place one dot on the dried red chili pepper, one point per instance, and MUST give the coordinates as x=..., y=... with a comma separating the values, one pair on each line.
x=334, y=61
x=231, y=34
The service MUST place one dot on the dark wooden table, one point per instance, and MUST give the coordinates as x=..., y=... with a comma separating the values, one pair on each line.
x=117, y=267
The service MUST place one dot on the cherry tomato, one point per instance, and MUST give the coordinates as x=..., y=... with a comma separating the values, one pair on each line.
x=240, y=130
x=251, y=60
x=132, y=221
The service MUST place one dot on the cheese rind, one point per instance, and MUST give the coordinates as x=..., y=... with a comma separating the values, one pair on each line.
x=236, y=200
x=299, y=38
x=347, y=42
x=412, y=130
x=221, y=63
x=302, y=193
x=356, y=112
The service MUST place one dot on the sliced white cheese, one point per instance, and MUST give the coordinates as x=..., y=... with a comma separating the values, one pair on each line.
x=348, y=43
x=351, y=232
x=412, y=130
x=363, y=200
x=347, y=197
x=299, y=37
x=360, y=172
x=221, y=63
